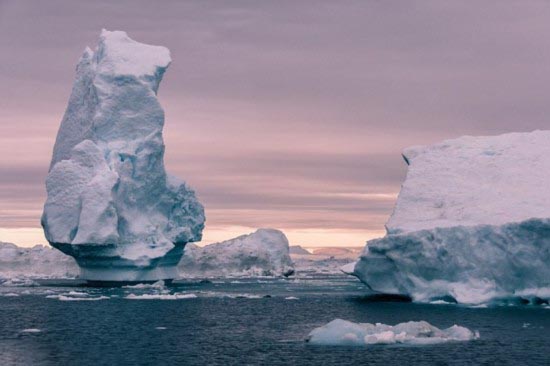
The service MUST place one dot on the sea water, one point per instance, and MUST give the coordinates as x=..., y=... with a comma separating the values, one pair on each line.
x=258, y=321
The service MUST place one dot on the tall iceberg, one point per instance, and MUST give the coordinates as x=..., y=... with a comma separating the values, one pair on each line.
x=110, y=203
x=472, y=223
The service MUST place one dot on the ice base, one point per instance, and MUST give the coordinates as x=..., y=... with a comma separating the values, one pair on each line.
x=105, y=264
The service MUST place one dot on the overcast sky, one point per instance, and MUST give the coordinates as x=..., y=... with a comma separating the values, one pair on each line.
x=285, y=114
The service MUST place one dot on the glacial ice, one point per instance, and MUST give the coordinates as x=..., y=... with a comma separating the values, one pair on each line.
x=36, y=262
x=110, y=203
x=471, y=224
x=264, y=252
x=323, y=261
x=345, y=333
x=468, y=181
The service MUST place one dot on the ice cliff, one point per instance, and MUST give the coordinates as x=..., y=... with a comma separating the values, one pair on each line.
x=264, y=252
x=471, y=224
x=110, y=203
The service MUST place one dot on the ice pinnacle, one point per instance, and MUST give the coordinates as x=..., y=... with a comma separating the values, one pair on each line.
x=111, y=204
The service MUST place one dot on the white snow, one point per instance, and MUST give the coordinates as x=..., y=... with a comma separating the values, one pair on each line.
x=264, y=252
x=345, y=333
x=472, y=223
x=110, y=203
x=36, y=262
x=487, y=180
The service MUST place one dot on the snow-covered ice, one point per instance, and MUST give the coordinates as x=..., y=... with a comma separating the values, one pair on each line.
x=468, y=181
x=472, y=223
x=345, y=333
x=110, y=203
x=36, y=262
x=31, y=330
x=264, y=252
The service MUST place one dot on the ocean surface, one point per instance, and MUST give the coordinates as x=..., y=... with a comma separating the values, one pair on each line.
x=245, y=322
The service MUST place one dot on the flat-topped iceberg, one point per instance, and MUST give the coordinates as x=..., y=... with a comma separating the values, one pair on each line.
x=264, y=252
x=345, y=333
x=472, y=223
x=110, y=203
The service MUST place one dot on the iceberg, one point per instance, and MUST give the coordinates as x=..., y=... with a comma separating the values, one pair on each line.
x=345, y=333
x=322, y=261
x=264, y=252
x=36, y=262
x=111, y=205
x=471, y=223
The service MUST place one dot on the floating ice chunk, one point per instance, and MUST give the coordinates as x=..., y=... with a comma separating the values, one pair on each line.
x=160, y=296
x=31, y=330
x=158, y=285
x=291, y=298
x=342, y=332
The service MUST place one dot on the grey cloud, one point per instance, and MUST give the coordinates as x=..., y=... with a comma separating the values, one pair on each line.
x=273, y=105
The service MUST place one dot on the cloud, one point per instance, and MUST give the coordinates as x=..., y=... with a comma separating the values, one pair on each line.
x=288, y=113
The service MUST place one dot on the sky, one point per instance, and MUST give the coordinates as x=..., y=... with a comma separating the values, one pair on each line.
x=284, y=114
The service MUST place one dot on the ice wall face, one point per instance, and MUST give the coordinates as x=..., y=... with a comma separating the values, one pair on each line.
x=474, y=180
x=472, y=223
x=110, y=203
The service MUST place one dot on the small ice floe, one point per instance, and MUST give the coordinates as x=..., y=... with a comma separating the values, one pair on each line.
x=77, y=293
x=69, y=298
x=10, y=294
x=246, y=296
x=31, y=330
x=291, y=298
x=160, y=328
x=159, y=284
x=76, y=296
x=441, y=302
x=345, y=333
x=160, y=296
x=19, y=282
